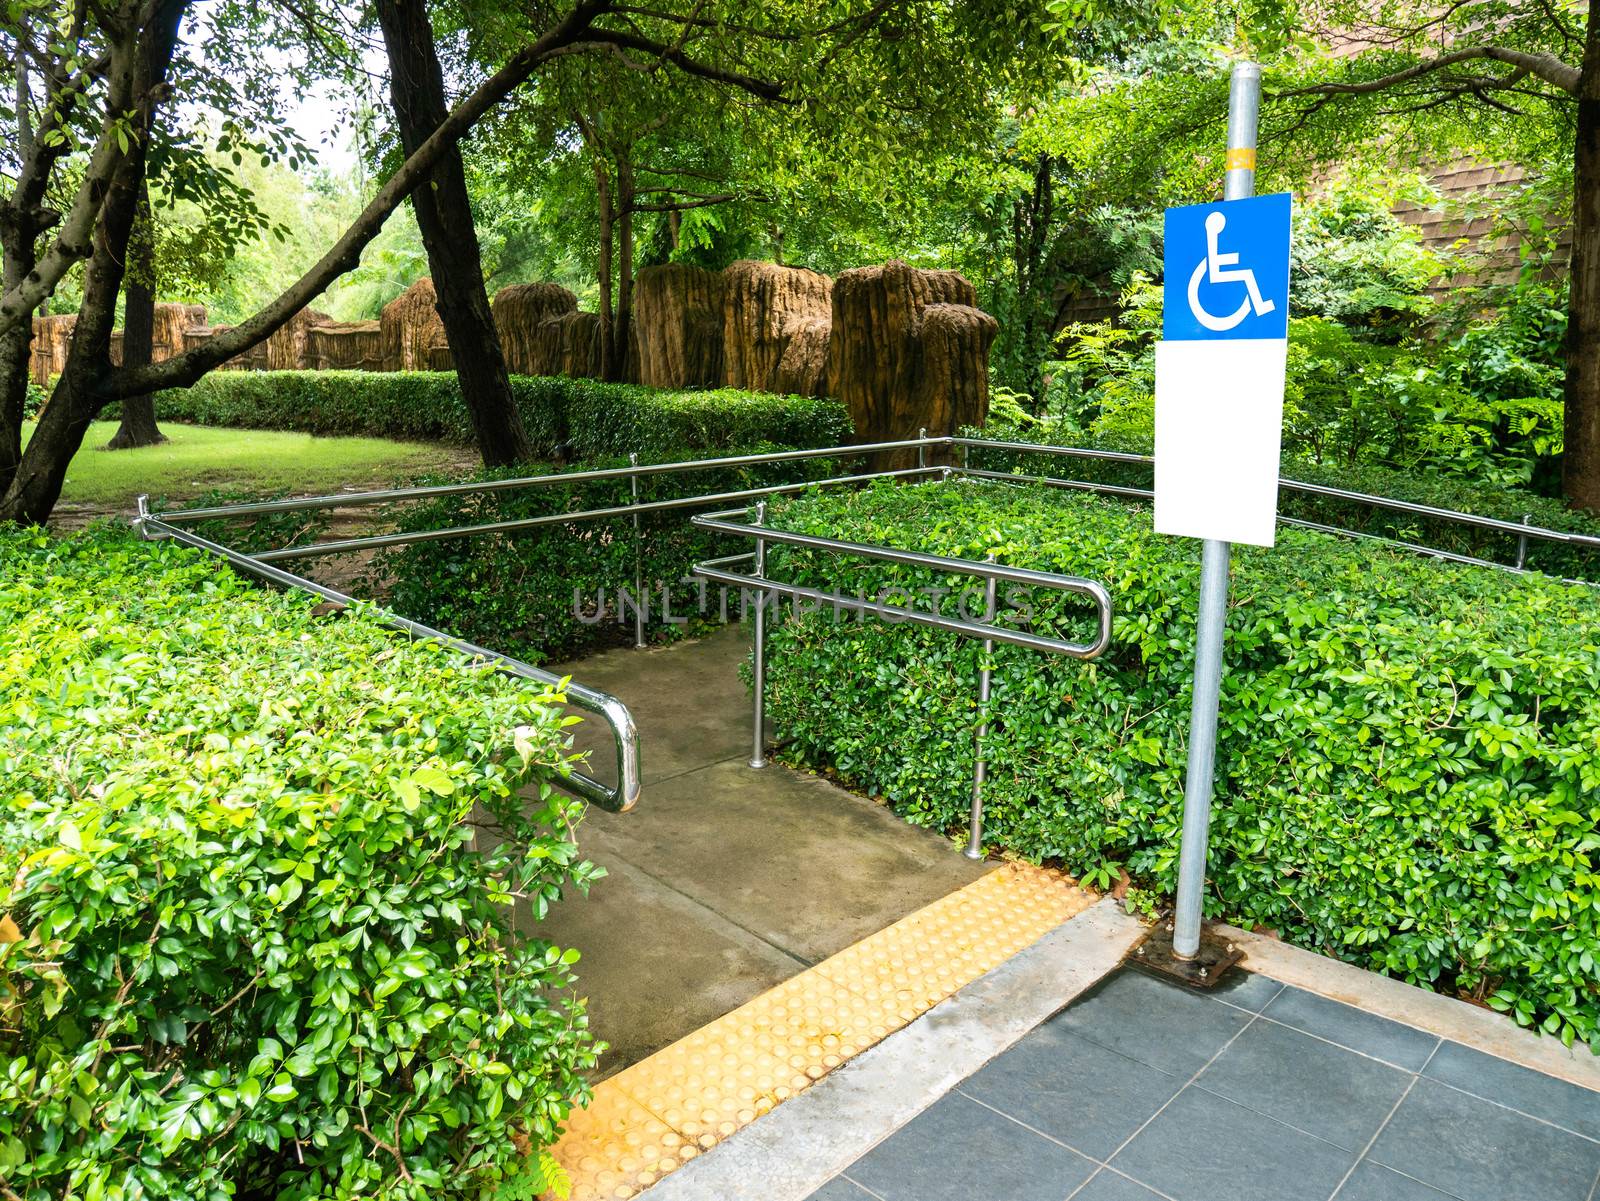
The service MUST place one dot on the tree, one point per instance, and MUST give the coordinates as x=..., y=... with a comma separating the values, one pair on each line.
x=1523, y=72
x=444, y=214
x=628, y=153
x=138, y=423
x=635, y=165
x=854, y=68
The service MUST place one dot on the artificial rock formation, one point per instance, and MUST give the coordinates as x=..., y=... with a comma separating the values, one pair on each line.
x=285, y=350
x=520, y=312
x=567, y=344
x=954, y=387
x=52, y=337
x=902, y=348
x=344, y=346
x=172, y=322
x=254, y=359
x=678, y=326
x=909, y=349
x=410, y=325
x=775, y=327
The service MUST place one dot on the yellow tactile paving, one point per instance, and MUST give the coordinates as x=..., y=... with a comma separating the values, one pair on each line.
x=663, y=1111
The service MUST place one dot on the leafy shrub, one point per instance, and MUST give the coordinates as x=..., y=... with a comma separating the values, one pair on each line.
x=1475, y=393
x=1407, y=767
x=594, y=418
x=1441, y=492
x=33, y=400
x=247, y=947
x=420, y=405
x=1507, y=346
x=614, y=419
x=1354, y=261
x=553, y=591
x=1347, y=400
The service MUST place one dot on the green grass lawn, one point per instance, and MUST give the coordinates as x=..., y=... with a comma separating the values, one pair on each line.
x=196, y=459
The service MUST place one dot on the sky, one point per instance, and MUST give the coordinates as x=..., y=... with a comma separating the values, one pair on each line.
x=322, y=120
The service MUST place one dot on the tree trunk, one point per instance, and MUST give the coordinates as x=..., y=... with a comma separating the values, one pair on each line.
x=21, y=217
x=138, y=426
x=1581, y=458
x=36, y=485
x=608, y=324
x=622, y=336
x=14, y=349
x=444, y=215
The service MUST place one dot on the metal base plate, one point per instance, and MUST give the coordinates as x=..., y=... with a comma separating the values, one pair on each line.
x=1210, y=966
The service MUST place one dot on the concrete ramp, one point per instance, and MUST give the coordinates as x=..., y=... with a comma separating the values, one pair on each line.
x=724, y=881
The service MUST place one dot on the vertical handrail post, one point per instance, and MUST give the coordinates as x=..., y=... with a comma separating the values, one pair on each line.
x=758, y=673
x=1244, y=109
x=638, y=559
x=1522, y=542
x=985, y=681
x=922, y=451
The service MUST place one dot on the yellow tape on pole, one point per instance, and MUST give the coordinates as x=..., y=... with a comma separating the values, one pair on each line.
x=1242, y=158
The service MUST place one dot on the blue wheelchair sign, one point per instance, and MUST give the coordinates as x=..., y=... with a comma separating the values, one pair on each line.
x=1227, y=270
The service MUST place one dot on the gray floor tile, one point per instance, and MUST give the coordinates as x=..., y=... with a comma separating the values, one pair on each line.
x=1304, y=1082
x=1205, y=1148
x=1360, y=1031
x=1373, y=1182
x=1532, y=1092
x=1077, y=1091
x=1478, y=1151
x=840, y=1189
x=1247, y=990
x=1163, y=1025
x=1108, y=1186
x=957, y=1150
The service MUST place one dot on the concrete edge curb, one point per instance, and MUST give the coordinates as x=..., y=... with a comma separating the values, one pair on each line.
x=800, y=1145
x=1448, y=1017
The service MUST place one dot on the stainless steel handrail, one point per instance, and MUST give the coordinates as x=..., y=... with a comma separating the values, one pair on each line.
x=618, y=799
x=1092, y=589
x=1367, y=498
x=625, y=794
x=1145, y=494
x=1522, y=531
x=374, y=541
x=347, y=499
x=987, y=630
x=716, y=570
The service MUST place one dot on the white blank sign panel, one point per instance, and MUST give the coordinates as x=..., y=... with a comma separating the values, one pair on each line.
x=1219, y=422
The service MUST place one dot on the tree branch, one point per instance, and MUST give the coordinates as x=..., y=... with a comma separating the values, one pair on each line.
x=763, y=88
x=182, y=370
x=73, y=242
x=678, y=207
x=1545, y=66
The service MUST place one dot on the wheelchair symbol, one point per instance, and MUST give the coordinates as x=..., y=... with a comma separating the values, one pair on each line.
x=1212, y=267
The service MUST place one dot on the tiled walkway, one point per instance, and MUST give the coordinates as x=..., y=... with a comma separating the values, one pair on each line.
x=1143, y=1090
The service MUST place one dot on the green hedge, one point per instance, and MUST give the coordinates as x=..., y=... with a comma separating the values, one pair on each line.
x=1442, y=492
x=1408, y=772
x=593, y=418
x=246, y=945
x=555, y=591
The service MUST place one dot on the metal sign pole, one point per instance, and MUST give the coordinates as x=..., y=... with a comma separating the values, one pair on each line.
x=1244, y=108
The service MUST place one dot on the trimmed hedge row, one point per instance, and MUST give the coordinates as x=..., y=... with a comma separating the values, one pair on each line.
x=589, y=417
x=246, y=945
x=1442, y=492
x=555, y=591
x=1408, y=773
